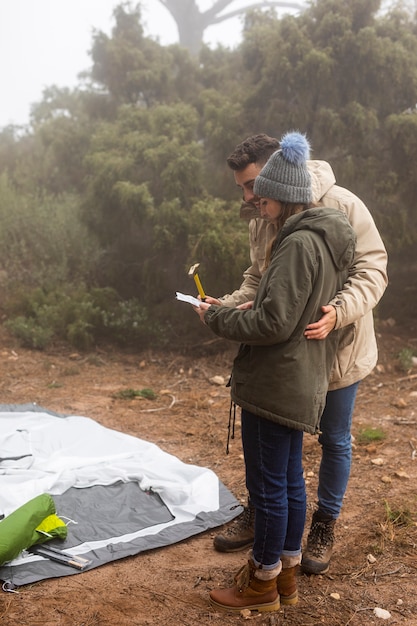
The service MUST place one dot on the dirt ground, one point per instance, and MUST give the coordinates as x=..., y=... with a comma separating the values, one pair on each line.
x=375, y=557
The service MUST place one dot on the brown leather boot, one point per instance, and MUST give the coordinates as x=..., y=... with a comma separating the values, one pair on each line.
x=287, y=581
x=254, y=589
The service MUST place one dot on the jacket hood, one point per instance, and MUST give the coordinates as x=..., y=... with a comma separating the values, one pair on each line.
x=334, y=228
x=322, y=178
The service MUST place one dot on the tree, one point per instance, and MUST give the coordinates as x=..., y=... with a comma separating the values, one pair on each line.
x=130, y=68
x=147, y=204
x=346, y=74
x=191, y=22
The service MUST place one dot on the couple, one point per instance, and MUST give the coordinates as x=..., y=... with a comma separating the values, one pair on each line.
x=303, y=256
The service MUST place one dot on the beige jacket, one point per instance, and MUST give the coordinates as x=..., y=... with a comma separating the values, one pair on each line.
x=362, y=291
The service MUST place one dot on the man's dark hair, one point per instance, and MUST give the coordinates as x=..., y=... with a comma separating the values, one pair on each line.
x=255, y=149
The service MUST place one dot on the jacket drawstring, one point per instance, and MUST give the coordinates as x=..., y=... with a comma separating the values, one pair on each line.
x=231, y=425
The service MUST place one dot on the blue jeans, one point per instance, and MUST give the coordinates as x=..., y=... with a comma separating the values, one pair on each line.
x=274, y=479
x=336, y=442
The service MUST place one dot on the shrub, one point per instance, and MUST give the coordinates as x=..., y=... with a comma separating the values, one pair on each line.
x=42, y=240
x=30, y=333
x=405, y=358
x=83, y=318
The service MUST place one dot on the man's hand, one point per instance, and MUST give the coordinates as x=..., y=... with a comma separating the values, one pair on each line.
x=211, y=300
x=325, y=325
x=245, y=306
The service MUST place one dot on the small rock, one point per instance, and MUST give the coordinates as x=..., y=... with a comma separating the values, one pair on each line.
x=400, y=403
x=400, y=602
x=217, y=380
x=377, y=461
x=386, y=479
x=401, y=474
x=381, y=613
x=370, y=558
x=335, y=596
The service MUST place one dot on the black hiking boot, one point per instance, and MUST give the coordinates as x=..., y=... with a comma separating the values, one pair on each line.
x=320, y=540
x=240, y=533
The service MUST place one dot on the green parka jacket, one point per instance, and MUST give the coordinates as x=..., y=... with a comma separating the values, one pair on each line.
x=278, y=374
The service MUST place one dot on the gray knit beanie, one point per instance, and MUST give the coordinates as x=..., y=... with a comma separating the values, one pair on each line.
x=285, y=176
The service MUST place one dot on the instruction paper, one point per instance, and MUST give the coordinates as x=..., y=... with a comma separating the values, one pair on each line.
x=190, y=299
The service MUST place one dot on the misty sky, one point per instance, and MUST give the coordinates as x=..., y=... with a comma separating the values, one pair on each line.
x=46, y=42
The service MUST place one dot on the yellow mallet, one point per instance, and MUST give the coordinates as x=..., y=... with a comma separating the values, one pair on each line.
x=193, y=272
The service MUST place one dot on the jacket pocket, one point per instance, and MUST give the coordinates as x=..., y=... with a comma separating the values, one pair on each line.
x=241, y=365
x=345, y=356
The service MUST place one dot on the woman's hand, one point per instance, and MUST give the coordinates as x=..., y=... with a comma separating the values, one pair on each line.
x=200, y=310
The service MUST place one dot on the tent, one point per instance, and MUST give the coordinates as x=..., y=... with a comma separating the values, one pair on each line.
x=118, y=495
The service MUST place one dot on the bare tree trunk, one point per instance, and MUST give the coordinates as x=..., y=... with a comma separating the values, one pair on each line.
x=191, y=22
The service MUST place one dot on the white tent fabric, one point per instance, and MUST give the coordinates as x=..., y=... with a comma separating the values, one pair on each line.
x=41, y=452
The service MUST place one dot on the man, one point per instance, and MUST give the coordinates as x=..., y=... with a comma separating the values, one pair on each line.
x=352, y=307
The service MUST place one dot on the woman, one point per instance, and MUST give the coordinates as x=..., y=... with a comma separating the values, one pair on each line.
x=280, y=379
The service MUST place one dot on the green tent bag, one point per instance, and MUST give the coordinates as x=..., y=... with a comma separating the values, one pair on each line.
x=34, y=522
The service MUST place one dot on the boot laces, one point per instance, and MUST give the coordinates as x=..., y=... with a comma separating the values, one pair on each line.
x=244, y=523
x=321, y=537
x=243, y=577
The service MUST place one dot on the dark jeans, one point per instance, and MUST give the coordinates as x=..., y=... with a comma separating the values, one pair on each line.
x=336, y=442
x=274, y=478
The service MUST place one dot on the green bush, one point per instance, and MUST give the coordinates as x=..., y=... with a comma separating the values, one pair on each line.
x=83, y=318
x=405, y=358
x=42, y=240
x=30, y=333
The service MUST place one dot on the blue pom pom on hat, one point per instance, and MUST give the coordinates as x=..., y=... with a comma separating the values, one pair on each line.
x=285, y=176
